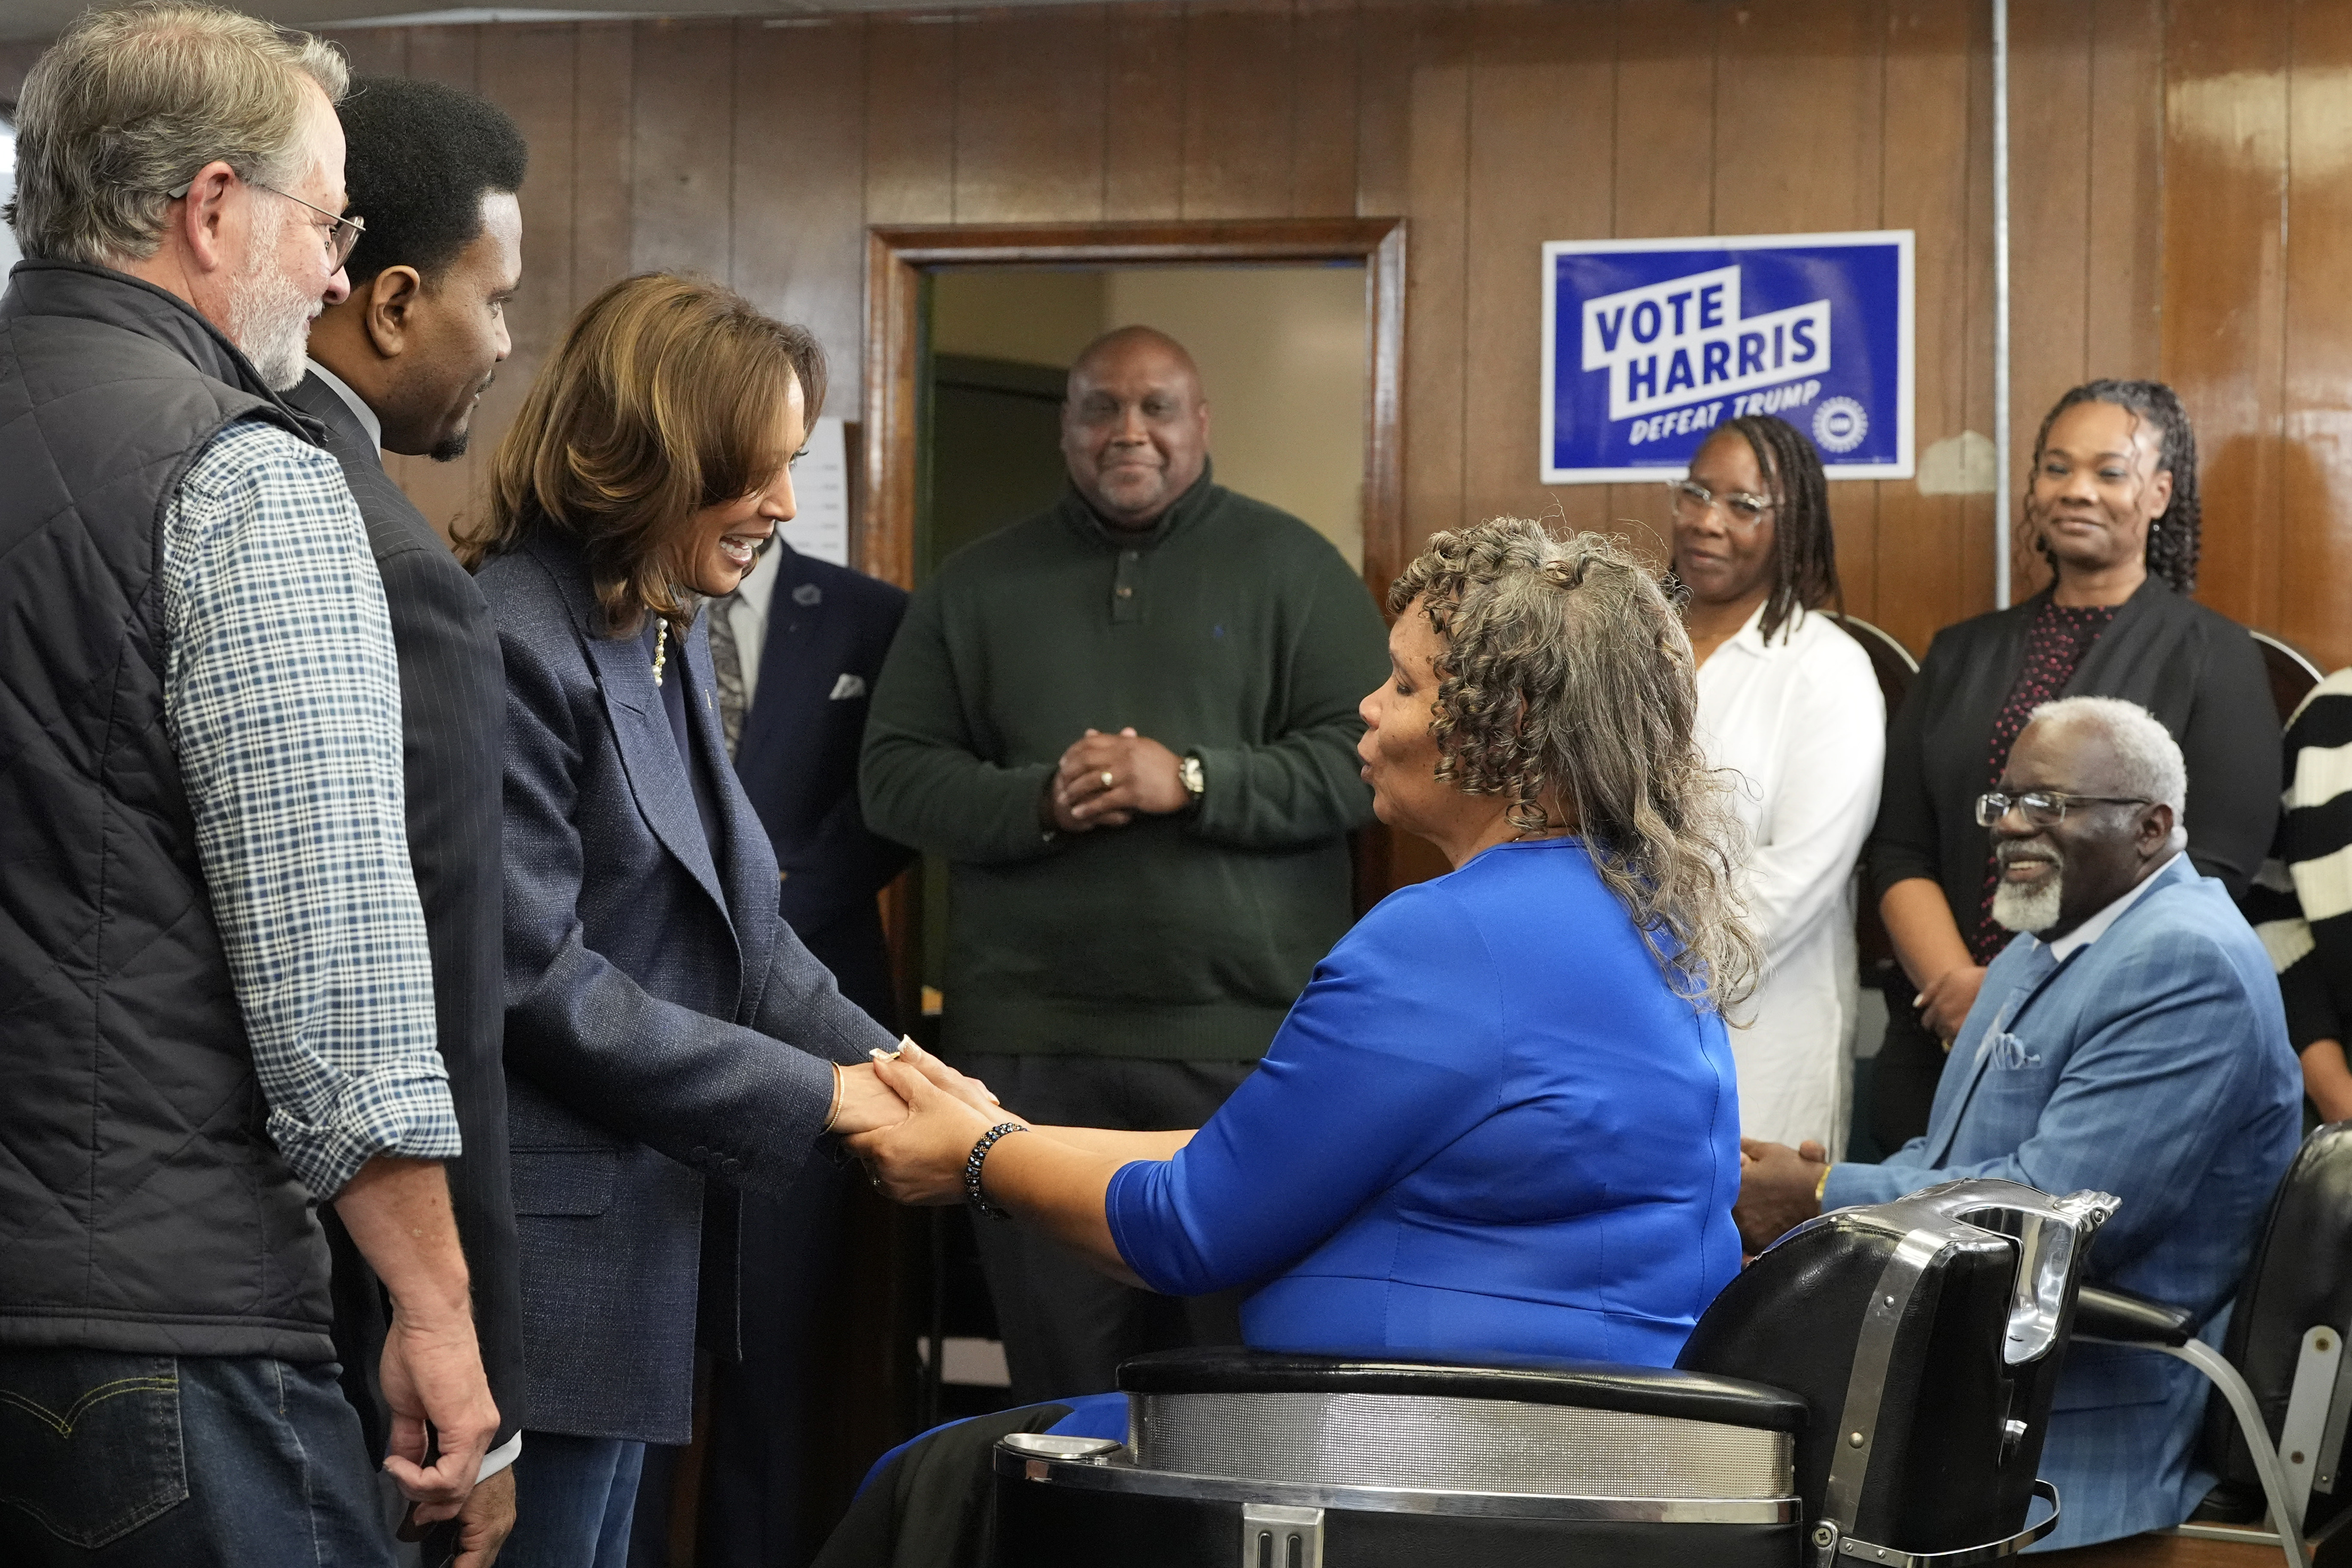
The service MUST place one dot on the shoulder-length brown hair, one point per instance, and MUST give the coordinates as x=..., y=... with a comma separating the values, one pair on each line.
x=663, y=399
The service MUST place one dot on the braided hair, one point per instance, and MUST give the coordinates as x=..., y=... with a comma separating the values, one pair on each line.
x=1804, y=547
x=2173, y=540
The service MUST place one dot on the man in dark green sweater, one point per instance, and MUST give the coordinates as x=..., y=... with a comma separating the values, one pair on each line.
x=1128, y=724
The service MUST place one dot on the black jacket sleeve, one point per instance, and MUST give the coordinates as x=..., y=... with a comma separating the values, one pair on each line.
x=1905, y=842
x=453, y=700
x=2231, y=744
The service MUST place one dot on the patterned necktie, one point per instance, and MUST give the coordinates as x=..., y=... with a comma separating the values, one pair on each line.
x=728, y=665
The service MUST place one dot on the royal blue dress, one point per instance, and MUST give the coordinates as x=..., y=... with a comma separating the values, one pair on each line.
x=1488, y=1127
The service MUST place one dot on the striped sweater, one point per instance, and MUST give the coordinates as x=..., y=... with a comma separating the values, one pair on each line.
x=2301, y=903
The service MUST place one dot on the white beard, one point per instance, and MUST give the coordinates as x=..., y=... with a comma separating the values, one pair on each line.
x=2034, y=908
x=269, y=317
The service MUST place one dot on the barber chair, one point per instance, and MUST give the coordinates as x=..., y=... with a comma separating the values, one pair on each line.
x=2283, y=1385
x=1873, y=1389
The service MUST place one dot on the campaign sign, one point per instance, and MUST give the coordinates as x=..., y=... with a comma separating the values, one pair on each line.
x=1648, y=345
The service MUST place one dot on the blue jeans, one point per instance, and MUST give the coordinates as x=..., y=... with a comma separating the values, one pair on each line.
x=573, y=1498
x=110, y=1460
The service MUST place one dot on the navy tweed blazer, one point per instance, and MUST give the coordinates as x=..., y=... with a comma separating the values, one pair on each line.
x=664, y=1025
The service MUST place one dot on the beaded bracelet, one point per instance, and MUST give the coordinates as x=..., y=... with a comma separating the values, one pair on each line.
x=971, y=1192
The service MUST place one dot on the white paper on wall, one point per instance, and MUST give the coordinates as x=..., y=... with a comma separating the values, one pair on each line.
x=821, y=486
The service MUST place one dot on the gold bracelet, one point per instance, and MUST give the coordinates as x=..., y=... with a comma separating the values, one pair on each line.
x=1823, y=1185
x=834, y=1114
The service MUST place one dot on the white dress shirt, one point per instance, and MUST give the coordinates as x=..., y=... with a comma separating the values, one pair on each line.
x=1803, y=725
x=746, y=610
x=2092, y=930
x=352, y=400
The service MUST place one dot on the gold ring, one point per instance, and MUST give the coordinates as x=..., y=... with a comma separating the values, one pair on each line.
x=1107, y=781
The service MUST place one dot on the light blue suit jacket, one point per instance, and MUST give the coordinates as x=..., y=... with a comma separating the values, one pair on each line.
x=2153, y=1064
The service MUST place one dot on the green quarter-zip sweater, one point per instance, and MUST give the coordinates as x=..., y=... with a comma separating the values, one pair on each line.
x=1231, y=630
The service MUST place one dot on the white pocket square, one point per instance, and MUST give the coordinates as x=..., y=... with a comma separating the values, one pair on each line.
x=848, y=686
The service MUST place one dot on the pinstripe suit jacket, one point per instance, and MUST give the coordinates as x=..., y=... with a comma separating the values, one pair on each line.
x=2152, y=1064
x=452, y=701
x=663, y=1025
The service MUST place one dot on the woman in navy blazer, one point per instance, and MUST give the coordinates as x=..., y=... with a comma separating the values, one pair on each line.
x=667, y=1038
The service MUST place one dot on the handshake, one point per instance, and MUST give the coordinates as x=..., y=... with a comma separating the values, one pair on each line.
x=911, y=1119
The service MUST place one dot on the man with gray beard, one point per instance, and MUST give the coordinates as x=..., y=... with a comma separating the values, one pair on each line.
x=212, y=964
x=2129, y=1040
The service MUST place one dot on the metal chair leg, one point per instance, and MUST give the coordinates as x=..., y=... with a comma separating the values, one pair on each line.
x=2287, y=1516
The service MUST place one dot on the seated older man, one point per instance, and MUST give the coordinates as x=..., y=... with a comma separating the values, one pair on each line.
x=2130, y=1039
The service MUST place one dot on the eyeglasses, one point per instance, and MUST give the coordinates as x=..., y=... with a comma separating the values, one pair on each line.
x=343, y=235
x=2043, y=808
x=1692, y=500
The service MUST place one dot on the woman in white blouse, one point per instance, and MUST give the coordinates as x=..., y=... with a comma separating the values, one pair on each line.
x=1787, y=699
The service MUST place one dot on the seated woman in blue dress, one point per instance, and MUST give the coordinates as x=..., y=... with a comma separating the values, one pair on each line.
x=1501, y=1120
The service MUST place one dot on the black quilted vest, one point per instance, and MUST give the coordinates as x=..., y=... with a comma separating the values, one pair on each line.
x=142, y=1207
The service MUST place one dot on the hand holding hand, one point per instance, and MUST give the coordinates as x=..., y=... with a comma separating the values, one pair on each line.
x=1105, y=780
x=865, y=1102
x=920, y=1158
x=1776, y=1190
x=971, y=1090
x=1944, y=1001
x=483, y=1524
x=432, y=1372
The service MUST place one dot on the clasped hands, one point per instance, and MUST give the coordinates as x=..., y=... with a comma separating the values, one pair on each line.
x=912, y=1121
x=1104, y=781
x=1777, y=1188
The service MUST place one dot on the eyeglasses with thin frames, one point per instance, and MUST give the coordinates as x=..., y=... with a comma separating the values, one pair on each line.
x=1692, y=500
x=342, y=238
x=2043, y=808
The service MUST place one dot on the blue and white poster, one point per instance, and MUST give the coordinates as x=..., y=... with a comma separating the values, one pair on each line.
x=1648, y=345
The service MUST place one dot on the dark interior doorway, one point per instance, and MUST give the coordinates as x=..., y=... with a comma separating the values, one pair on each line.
x=994, y=453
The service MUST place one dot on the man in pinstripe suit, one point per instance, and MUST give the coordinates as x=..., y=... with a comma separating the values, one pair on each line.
x=399, y=366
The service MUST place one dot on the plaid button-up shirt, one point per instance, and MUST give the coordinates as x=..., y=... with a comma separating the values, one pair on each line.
x=282, y=699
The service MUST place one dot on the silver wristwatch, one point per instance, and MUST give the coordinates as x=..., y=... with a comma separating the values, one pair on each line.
x=1196, y=783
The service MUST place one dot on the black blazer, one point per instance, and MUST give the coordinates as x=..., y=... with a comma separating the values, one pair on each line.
x=828, y=630
x=2195, y=668
x=452, y=712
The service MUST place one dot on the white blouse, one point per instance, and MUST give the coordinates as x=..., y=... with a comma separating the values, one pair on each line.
x=1803, y=725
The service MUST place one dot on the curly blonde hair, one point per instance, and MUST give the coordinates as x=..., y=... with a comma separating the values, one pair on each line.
x=1566, y=668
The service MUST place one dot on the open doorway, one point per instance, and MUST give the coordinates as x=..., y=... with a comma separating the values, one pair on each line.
x=1297, y=329
x=1282, y=349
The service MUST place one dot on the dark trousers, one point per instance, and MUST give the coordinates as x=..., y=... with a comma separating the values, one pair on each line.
x=573, y=1499
x=764, y=1409
x=1910, y=1065
x=137, y=1461
x=1067, y=1327
x=756, y=1508
x=934, y=1506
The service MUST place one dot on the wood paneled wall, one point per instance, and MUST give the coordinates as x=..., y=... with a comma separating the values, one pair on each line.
x=2182, y=188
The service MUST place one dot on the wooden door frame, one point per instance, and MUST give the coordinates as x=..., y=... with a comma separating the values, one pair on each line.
x=897, y=257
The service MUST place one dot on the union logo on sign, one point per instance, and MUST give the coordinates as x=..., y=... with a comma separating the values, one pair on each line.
x=1840, y=424
x=1651, y=346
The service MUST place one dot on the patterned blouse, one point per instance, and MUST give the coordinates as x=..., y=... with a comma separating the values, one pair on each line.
x=2055, y=646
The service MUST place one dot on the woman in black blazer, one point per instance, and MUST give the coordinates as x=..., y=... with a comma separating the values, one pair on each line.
x=2113, y=506
x=667, y=1038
